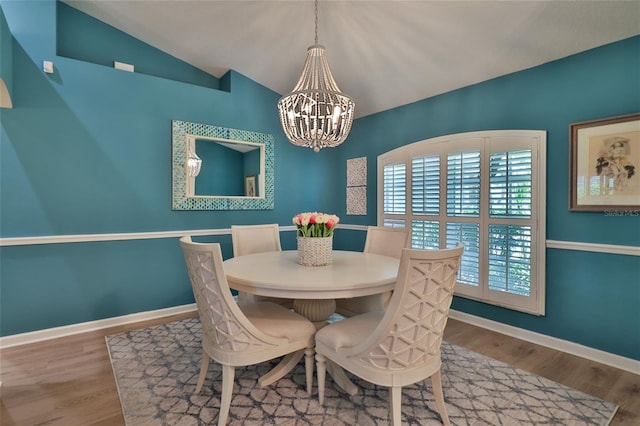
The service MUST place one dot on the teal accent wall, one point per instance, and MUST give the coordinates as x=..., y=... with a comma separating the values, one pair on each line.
x=592, y=298
x=6, y=50
x=87, y=150
x=80, y=36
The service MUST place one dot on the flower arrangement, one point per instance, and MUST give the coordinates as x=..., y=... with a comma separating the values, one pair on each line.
x=314, y=224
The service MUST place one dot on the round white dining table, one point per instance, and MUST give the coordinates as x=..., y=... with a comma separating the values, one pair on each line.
x=313, y=288
x=278, y=274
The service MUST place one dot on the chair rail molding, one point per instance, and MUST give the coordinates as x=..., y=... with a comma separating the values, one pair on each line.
x=124, y=236
x=594, y=247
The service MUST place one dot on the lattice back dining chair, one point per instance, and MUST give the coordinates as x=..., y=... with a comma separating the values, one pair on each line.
x=401, y=345
x=380, y=240
x=249, y=239
x=239, y=335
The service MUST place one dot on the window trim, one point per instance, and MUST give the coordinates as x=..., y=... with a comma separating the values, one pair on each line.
x=486, y=142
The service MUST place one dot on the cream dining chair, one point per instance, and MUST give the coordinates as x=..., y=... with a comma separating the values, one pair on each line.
x=401, y=345
x=249, y=239
x=380, y=240
x=239, y=335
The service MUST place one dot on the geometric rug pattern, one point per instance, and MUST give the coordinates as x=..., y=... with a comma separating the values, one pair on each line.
x=156, y=371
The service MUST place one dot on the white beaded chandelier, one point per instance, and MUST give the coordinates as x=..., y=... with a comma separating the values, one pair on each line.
x=316, y=114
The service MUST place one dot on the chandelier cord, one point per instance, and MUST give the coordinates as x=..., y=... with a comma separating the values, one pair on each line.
x=316, y=4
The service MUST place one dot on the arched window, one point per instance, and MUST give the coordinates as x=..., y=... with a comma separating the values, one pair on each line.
x=484, y=189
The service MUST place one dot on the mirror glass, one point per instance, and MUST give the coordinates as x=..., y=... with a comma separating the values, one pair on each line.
x=236, y=172
x=224, y=168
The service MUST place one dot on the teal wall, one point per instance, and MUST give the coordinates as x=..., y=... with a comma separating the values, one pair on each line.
x=87, y=150
x=79, y=36
x=6, y=54
x=592, y=298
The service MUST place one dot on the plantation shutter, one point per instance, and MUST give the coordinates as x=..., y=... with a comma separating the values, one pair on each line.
x=425, y=234
x=463, y=184
x=510, y=184
x=509, y=245
x=469, y=235
x=395, y=188
x=425, y=185
x=394, y=194
x=484, y=190
x=510, y=259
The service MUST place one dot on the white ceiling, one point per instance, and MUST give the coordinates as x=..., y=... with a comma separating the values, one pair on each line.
x=382, y=53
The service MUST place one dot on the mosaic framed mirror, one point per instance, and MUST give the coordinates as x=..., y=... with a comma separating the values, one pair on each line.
x=227, y=157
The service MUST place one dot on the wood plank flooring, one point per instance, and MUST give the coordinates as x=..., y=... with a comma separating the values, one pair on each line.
x=69, y=381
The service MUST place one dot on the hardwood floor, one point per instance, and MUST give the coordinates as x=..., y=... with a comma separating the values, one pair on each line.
x=608, y=383
x=69, y=381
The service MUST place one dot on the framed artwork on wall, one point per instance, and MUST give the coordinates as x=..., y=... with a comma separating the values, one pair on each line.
x=250, y=186
x=605, y=165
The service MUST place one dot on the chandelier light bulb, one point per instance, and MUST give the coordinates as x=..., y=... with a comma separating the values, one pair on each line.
x=336, y=114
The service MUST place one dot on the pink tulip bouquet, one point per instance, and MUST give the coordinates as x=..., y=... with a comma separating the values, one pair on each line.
x=315, y=224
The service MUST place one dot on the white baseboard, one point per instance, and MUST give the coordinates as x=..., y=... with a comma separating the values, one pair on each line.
x=617, y=361
x=68, y=330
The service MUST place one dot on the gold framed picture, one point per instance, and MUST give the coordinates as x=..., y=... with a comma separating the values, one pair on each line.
x=604, y=163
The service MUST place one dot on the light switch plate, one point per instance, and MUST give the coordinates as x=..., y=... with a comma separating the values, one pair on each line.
x=47, y=66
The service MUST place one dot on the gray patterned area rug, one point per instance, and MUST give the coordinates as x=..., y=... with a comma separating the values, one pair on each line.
x=156, y=370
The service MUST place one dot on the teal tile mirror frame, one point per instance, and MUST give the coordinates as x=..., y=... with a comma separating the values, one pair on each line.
x=184, y=197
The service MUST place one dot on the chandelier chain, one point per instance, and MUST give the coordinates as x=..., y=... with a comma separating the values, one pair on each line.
x=316, y=11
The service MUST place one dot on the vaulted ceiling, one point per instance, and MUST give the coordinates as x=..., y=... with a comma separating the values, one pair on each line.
x=382, y=53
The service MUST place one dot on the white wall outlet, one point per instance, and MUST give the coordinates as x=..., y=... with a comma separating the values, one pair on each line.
x=122, y=66
x=47, y=66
